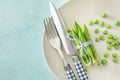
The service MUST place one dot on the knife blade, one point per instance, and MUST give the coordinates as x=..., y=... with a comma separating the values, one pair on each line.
x=60, y=26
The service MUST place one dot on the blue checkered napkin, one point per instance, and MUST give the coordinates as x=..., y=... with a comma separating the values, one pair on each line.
x=80, y=70
x=69, y=72
x=70, y=75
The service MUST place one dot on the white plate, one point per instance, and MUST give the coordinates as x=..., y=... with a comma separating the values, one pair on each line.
x=82, y=11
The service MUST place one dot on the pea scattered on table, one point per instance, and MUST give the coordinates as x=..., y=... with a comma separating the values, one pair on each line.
x=97, y=39
x=101, y=37
x=115, y=37
x=90, y=22
x=108, y=26
x=109, y=41
x=114, y=55
x=96, y=21
x=106, y=55
x=110, y=36
x=116, y=47
x=96, y=30
x=115, y=60
x=117, y=23
x=105, y=32
x=113, y=44
x=104, y=62
x=104, y=15
x=109, y=47
x=102, y=23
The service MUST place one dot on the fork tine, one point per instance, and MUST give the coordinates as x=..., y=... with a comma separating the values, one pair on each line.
x=53, y=27
x=46, y=28
x=49, y=28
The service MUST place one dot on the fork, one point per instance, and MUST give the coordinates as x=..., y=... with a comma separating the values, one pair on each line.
x=55, y=42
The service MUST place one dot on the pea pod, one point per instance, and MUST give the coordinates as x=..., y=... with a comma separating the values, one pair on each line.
x=84, y=56
x=83, y=40
x=87, y=36
x=76, y=31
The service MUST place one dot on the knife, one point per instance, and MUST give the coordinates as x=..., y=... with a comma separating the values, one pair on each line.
x=60, y=26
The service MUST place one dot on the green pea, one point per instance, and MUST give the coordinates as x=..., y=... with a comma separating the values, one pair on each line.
x=101, y=37
x=102, y=23
x=114, y=55
x=109, y=47
x=112, y=44
x=108, y=26
x=97, y=39
x=96, y=21
x=96, y=30
x=105, y=32
x=110, y=36
x=91, y=22
x=115, y=37
x=117, y=43
x=117, y=23
x=106, y=55
x=109, y=41
x=104, y=62
x=115, y=60
x=116, y=47
x=104, y=15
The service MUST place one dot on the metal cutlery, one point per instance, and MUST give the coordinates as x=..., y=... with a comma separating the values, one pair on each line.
x=60, y=26
x=55, y=42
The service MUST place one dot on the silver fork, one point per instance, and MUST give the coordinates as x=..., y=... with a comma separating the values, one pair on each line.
x=55, y=42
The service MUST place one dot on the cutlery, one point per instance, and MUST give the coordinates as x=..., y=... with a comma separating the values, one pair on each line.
x=60, y=26
x=55, y=42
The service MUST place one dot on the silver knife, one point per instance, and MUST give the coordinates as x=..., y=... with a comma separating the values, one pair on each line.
x=60, y=26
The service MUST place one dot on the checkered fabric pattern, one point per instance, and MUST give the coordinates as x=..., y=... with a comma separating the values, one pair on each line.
x=80, y=70
x=70, y=75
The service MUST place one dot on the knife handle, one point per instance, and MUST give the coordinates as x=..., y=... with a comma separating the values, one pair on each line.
x=69, y=72
x=79, y=68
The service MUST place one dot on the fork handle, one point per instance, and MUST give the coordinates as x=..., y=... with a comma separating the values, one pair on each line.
x=79, y=68
x=69, y=72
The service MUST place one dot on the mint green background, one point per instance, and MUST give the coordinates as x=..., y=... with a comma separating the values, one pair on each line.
x=21, y=30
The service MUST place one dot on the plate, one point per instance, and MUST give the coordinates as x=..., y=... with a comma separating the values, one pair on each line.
x=82, y=11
